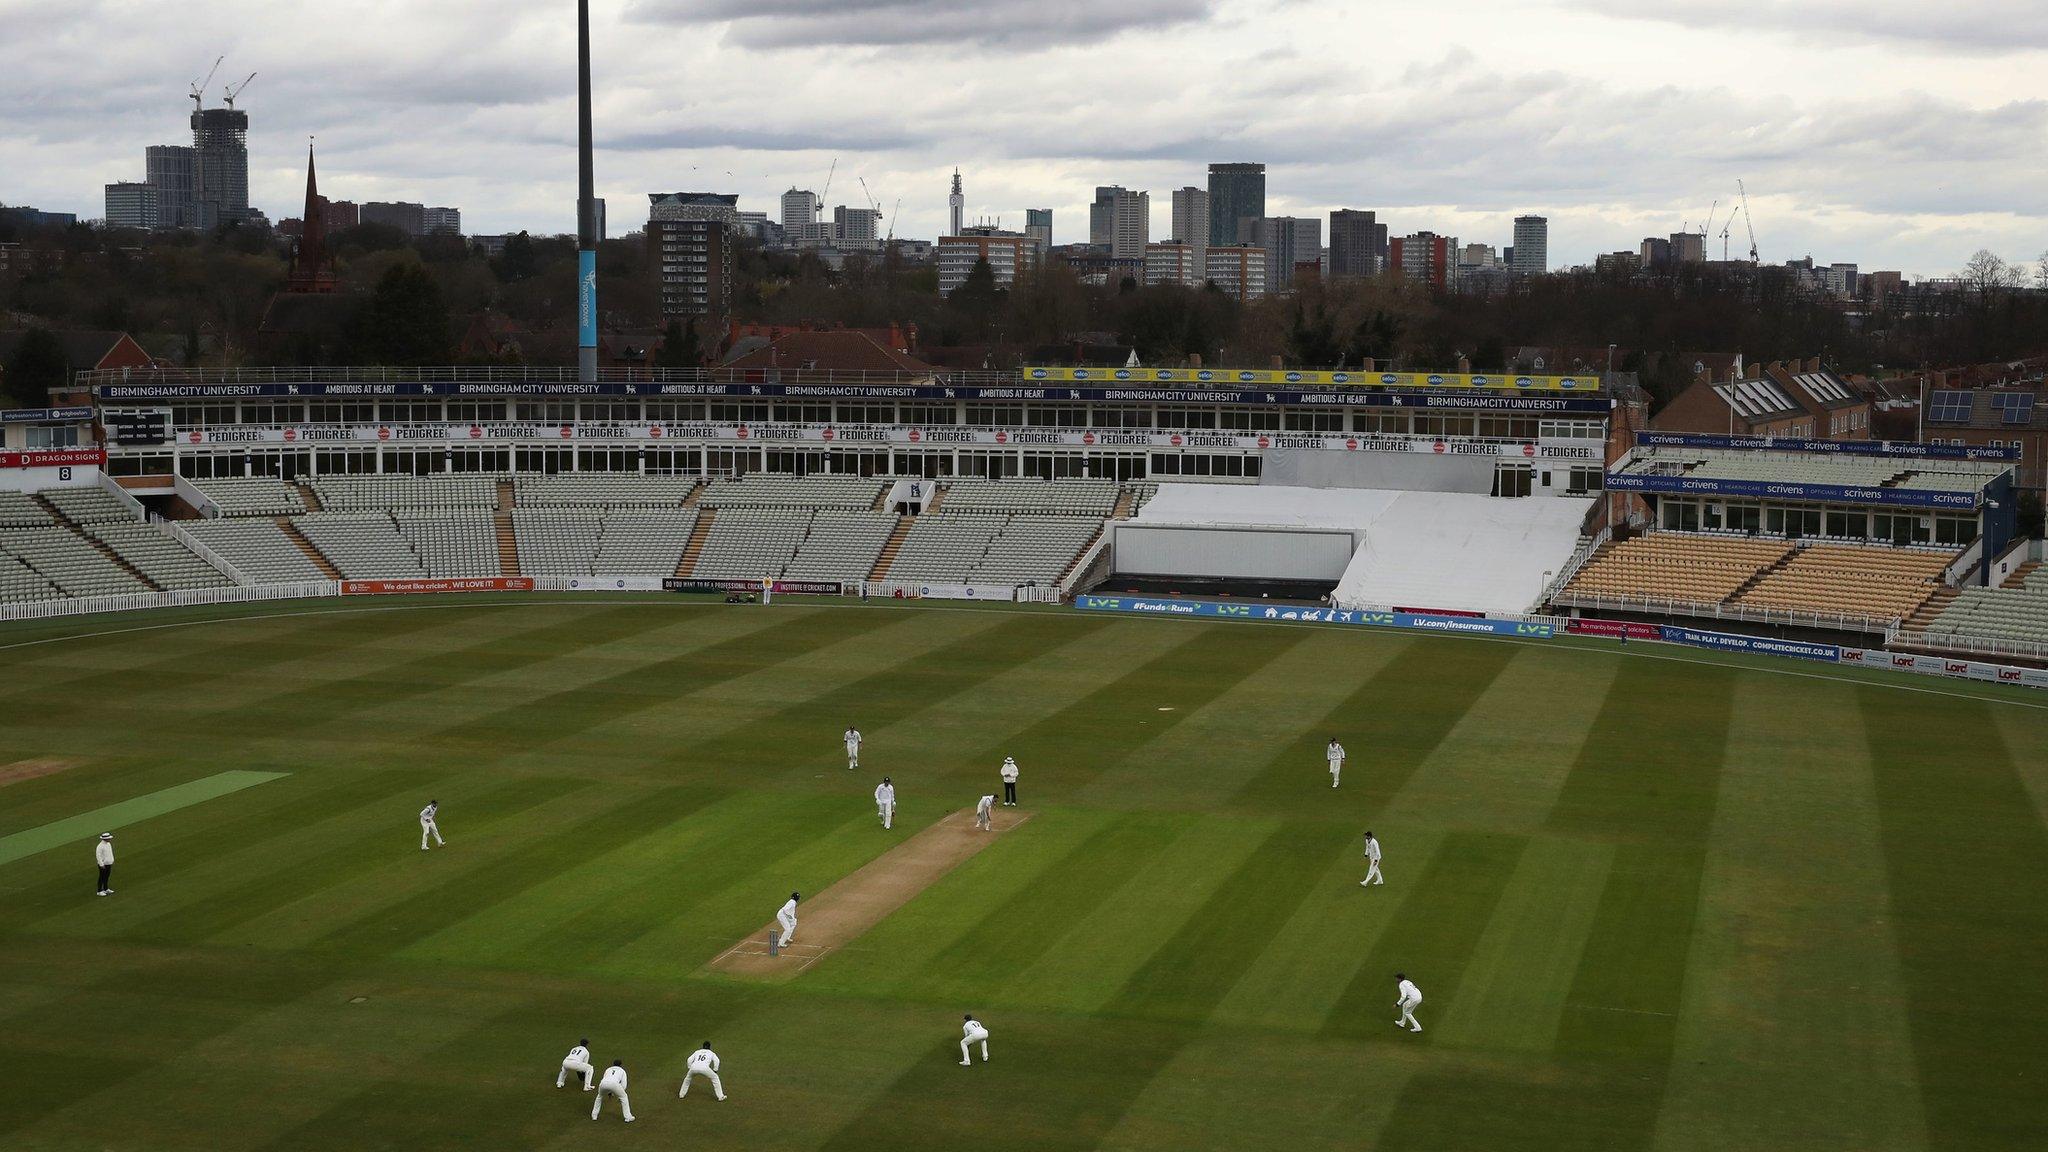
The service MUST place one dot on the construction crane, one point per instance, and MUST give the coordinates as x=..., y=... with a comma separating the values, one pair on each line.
x=234, y=90
x=869, y=193
x=829, y=173
x=1748, y=221
x=1724, y=235
x=892, y=219
x=199, y=86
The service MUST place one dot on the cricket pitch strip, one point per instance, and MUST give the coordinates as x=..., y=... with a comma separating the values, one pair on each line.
x=840, y=914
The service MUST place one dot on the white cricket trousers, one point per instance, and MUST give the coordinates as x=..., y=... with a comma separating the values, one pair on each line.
x=852, y=759
x=1407, y=1019
x=967, y=1042
x=982, y=821
x=788, y=930
x=1372, y=874
x=717, y=1089
x=430, y=828
x=580, y=1067
x=604, y=1090
x=888, y=814
x=1336, y=767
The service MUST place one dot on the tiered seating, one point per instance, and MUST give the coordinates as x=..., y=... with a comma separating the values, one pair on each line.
x=841, y=546
x=603, y=490
x=452, y=542
x=2016, y=612
x=1675, y=566
x=361, y=544
x=1034, y=550
x=557, y=541
x=74, y=566
x=257, y=548
x=20, y=583
x=1941, y=482
x=258, y=496
x=1142, y=494
x=1848, y=471
x=17, y=510
x=748, y=543
x=1036, y=497
x=443, y=490
x=158, y=555
x=851, y=493
x=88, y=505
x=643, y=541
x=945, y=548
x=1875, y=582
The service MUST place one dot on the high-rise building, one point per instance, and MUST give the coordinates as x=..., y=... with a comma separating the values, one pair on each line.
x=1532, y=246
x=403, y=215
x=1007, y=253
x=220, y=138
x=1426, y=257
x=1688, y=247
x=1038, y=226
x=132, y=206
x=1120, y=220
x=173, y=170
x=1175, y=262
x=1355, y=243
x=856, y=229
x=1191, y=216
x=434, y=220
x=1238, y=270
x=1237, y=193
x=957, y=203
x=1656, y=253
x=339, y=214
x=692, y=236
x=1287, y=241
x=800, y=209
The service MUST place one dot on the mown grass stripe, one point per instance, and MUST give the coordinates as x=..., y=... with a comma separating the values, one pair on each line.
x=84, y=829
x=1388, y=727
x=174, y=858
x=1964, y=850
x=503, y=874
x=1187, y=977
x=1432, y=936
x=1649, y=789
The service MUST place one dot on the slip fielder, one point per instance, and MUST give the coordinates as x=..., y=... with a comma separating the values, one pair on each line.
x=703, y=1062
x=578, y=1062
x=972, y=1033
x=613, y=1084
x=1410, y=998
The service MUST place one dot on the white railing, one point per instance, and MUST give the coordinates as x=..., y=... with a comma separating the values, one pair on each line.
x=1949, y=643
x=1588, y=546
x=221, y=564
x=88, y=605
x=122, y=496
x=1659, y=606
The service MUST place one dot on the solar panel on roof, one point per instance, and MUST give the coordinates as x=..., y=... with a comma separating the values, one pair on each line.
x=2018, y=407
x=1949, y=407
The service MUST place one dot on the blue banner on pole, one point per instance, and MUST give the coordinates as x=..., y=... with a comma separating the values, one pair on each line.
x=586, y=299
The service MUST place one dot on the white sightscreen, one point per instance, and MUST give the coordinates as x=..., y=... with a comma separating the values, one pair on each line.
x=1234, y=553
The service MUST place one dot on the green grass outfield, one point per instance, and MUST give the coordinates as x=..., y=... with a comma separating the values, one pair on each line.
x=1654, y=899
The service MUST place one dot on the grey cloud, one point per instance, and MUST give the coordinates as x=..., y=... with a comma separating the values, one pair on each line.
x=887, y=23
x=1975, y=26
x=817, y=138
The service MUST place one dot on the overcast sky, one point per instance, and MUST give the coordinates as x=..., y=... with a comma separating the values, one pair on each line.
x=1895, y=133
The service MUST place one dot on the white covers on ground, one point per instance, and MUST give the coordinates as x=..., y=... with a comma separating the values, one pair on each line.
x=1418, y=549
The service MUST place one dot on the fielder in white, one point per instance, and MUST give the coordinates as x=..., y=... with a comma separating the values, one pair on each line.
x=984, y=814
x=972, y=1033
x=1410, y=999
x=1372, y=862
x=577, y=1061
x=787, y=918
x=613, y=1084
x=885, y=802
x=852, y=747
x=703, y=1062
x=1335, y=755
x=427, y=825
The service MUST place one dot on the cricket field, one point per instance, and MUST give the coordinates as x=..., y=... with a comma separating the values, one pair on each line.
x=1654, y=899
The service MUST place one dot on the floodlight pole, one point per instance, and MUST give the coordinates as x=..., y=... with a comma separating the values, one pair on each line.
x=586, y=209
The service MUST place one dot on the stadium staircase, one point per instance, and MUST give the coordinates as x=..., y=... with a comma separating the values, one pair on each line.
x=113, y=557
x=698, y=536
x=1743, y=589
x=938, y=494
x=307, y=494
x=1126, y=504
x=885, y=559
x=695, y=494
x=292, y=533
x=1931, y=608
x=501, y=519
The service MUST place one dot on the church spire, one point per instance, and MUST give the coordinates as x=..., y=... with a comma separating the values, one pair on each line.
x=309, y=272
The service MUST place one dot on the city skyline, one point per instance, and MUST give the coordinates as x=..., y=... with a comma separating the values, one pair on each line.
x=1869, y=133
